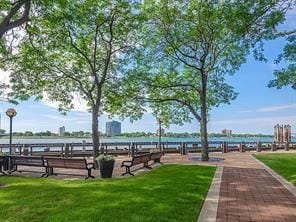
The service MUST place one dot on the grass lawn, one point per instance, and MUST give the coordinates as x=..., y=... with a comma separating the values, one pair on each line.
x=167, y=193
x=284, y=164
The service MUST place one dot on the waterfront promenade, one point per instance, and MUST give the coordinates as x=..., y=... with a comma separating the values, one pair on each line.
x=244, y=190
x=247, y=190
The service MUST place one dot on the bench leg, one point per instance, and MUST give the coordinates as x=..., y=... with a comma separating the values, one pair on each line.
x=89, y=174
x=158, y=161
x=127, y=171
x=147, y=166
x=2, y=171
x=46, y=172
x=50, y=172
x=13, y=170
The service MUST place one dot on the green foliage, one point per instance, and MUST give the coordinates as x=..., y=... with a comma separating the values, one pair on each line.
x=76, y=49
x=286, y=76
x=83, y=48
x=105, y=157
x=186, y=42
x=168, y=193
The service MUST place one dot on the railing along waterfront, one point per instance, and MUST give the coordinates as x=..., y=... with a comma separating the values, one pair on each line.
x=135, y=148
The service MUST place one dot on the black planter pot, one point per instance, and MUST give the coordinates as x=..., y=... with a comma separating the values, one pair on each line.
x=106, y=168
x=6, y=165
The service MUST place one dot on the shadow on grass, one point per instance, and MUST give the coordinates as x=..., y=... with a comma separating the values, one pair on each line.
x=169, y=193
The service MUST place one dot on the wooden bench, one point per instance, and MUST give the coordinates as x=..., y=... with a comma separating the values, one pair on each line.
x=156, y=157
x=69, y=163
x=144, y=158
x=32, y=161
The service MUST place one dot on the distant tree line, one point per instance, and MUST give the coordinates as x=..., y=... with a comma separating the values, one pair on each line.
x=132, y=134
x=189, y=135
x=48, y=133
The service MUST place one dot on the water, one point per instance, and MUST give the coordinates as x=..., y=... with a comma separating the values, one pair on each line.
x=154, y=139
x=130, y=140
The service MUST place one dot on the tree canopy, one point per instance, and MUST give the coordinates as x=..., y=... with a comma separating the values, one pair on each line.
x=187, y=50
x=287, y=75
x=121, y=56
x=76, y=48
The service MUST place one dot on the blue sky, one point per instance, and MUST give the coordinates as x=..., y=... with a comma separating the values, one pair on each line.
x=256, y=110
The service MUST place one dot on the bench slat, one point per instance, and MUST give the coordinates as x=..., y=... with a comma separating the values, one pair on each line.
x=66, y=163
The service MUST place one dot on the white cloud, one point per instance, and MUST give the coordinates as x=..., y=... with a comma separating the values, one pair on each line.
x=79, y=104
x=73, y=118
x=258, y=120
x=4, y=77
x=271, y=108
x=253, y=125
x=57, y=117
x=277, y=108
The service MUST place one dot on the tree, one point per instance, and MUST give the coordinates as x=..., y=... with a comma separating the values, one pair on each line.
x=265, y=27
x=286, y=76
x=2, y=131
x=13, y=14
x=28, y=133
x=188, y=48
x=84, y=47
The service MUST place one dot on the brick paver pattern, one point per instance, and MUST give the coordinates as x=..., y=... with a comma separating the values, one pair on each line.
x=254, y=195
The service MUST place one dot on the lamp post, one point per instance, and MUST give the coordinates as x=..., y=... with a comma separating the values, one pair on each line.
x=159, y=132
x=10, y=113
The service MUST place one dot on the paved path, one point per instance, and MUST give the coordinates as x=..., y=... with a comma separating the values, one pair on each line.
x=253, y=194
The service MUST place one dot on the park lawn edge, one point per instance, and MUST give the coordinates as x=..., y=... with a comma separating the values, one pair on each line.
x=196, y=198
x=281, y=163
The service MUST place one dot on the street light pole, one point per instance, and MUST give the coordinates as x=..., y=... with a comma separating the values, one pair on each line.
x=159, y=133
x=10, y=135
x=10, y=113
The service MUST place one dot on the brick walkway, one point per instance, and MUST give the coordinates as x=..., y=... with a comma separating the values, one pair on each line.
x=248, y=194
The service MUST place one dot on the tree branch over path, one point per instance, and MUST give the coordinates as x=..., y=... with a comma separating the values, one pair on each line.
x=190, y=107
x=8, y=23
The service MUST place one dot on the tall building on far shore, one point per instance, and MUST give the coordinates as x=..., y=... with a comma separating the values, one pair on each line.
x=282, y=133
x=287, y=134
x=227, y=132
x=162, y=132
x=62, y=131
x=113, y=128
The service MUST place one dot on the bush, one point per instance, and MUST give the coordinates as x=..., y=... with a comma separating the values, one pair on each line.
x=105, y=157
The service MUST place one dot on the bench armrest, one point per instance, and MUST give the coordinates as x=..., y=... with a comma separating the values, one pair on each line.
x=126, y=161
x=90, y=166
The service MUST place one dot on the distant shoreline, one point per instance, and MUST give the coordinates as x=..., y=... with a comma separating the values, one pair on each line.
x=125, y=137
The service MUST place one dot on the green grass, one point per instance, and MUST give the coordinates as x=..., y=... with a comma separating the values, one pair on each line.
x=284, y=164
x=167, y=193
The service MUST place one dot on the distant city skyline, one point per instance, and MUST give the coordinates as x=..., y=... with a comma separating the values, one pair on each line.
x=113, y=128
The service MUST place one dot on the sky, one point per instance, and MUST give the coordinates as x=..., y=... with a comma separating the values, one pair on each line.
x=256, y=109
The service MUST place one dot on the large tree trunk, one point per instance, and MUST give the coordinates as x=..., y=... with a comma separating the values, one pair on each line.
x=203, y=120
x=95, y=131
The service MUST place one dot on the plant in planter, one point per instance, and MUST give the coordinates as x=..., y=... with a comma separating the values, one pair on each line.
x=106, y=165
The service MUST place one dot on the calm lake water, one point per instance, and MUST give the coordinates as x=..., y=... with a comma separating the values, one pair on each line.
x=79, y=140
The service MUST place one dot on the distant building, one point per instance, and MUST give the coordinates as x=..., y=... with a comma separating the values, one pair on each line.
x=113, y=128
x=226, y=132
x=62, y=131
x=162, y=132
x=282, y=133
